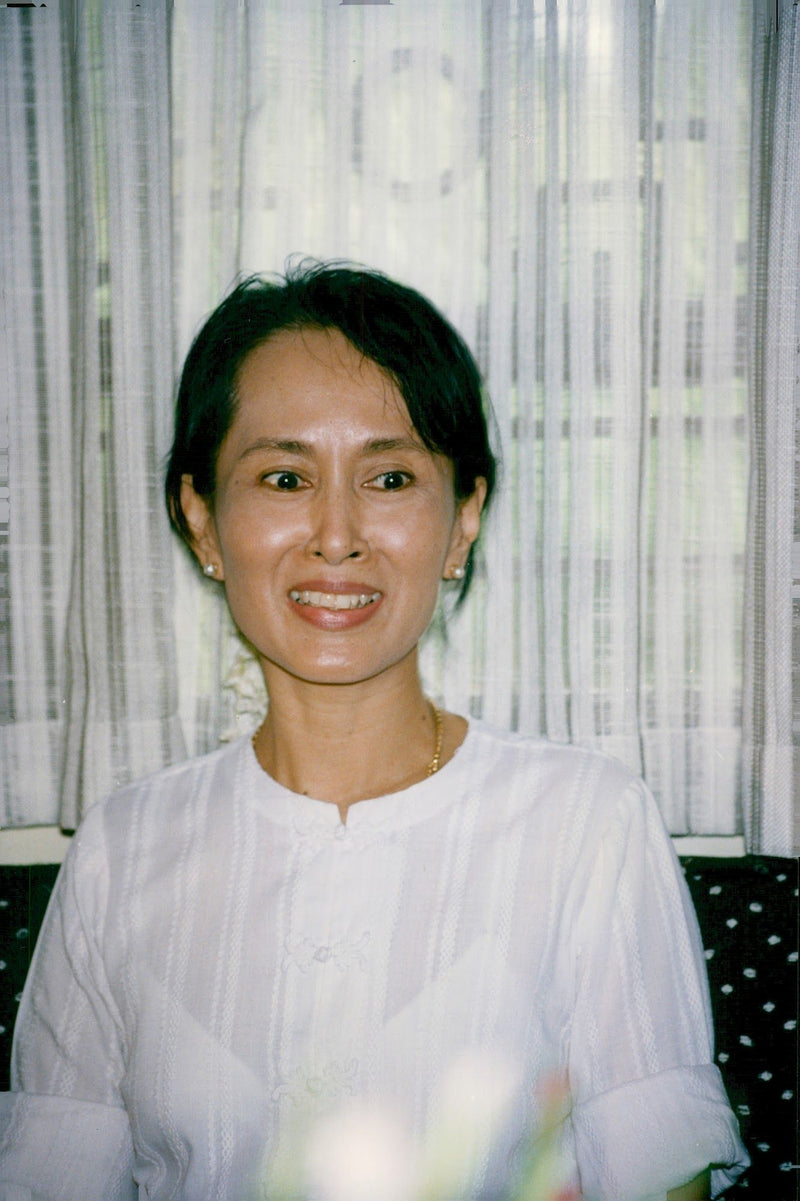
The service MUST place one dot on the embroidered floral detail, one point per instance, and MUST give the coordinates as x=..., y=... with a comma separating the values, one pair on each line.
x=305, y=953
x=335, y=1080
x=317, y=837
x=312, y=838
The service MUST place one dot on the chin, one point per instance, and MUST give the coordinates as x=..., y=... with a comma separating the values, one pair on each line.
x=335, y=671
x=343, y=675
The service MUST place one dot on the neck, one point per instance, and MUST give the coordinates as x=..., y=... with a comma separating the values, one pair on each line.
x=347, y=742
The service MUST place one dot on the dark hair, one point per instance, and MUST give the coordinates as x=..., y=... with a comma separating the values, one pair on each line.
x=390, y=323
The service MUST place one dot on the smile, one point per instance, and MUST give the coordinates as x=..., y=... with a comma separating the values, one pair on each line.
x=335, y=600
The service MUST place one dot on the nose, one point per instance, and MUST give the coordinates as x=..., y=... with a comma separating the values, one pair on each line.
x=337, y=534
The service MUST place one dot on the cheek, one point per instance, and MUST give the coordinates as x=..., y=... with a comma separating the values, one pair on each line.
x=425, y=534
x=253, y=538
x=418, y=557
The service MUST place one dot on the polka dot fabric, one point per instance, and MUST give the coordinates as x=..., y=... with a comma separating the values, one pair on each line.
x=24, y=893
x=748, y=914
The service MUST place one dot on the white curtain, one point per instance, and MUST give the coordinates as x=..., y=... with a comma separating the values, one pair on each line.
x=36, y=470
x=571, y=183
x=767, y=777
x=89, y=673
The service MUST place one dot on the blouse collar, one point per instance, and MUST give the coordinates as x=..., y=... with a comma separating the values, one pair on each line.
x=394, y=811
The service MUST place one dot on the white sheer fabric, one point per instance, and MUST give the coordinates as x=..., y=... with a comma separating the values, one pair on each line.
x=36, y=469
x=570, y=183
x=90, y=679
x=774, y=424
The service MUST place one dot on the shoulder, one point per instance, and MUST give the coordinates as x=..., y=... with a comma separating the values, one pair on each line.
x=162, y=798
x=564, y=775
x=571, y=797
x=182, y=777
x=582, y=822
x=131, y=841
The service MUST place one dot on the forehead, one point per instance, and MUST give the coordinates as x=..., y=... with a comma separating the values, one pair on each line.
x=317, y=375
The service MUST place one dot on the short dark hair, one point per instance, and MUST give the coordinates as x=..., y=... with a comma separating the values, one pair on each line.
x=389, y=323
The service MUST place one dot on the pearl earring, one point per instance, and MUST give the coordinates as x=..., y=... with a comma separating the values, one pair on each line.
x=457, y=573
x=209, y=569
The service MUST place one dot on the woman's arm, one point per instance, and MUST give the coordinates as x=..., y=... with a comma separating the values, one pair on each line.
x=698, y=1189
x=641, y=998
x=67, y=1058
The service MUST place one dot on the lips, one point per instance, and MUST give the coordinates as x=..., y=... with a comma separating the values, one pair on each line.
x=335, y=604
x=337, y=601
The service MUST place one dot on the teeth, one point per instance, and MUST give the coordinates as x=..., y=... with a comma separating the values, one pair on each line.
x=335, y=600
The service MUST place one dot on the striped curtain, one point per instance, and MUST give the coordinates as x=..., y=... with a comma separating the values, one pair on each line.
x=37, y=534
x=89, y=671
x=771, y=755
x=582, y=187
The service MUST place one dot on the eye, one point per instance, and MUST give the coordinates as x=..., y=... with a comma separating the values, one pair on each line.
x=391, y=481
x=283, y=481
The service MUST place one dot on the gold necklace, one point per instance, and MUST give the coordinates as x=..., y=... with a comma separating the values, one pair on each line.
x=435, y=762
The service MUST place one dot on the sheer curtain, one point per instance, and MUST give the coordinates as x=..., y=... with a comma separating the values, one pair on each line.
x=572, y=184
x=89, y=672
x=774, y=429
x=36, y=471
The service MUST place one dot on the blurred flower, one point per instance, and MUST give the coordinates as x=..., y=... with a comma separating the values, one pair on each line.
x=363, y=1152
x=360, y=1153
x=247, y=694
x=544, y=1176
x=475, y=1099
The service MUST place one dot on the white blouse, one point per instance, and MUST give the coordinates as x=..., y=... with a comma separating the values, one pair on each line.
x=223, y=960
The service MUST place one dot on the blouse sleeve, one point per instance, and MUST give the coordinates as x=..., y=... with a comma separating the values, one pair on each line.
x=68, y=1054
x=650, y=1107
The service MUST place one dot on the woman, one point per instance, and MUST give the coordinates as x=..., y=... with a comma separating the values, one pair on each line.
x=369, y=893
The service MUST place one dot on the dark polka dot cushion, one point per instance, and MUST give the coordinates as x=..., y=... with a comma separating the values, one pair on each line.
x=747, y=910
x=24, y=893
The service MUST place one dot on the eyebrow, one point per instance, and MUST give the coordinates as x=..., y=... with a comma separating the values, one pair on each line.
x=374, y=446
x=379, y=446
x=287, y=446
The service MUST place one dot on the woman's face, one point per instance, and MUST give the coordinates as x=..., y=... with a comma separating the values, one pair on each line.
x=332, y=523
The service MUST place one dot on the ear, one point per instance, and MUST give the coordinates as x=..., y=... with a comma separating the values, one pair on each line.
x=200, y=520
x=467, y=524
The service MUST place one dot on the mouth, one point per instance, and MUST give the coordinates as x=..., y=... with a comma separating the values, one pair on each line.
x=337, y=601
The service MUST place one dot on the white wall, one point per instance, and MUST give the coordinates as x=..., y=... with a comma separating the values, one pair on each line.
x=33, y=844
